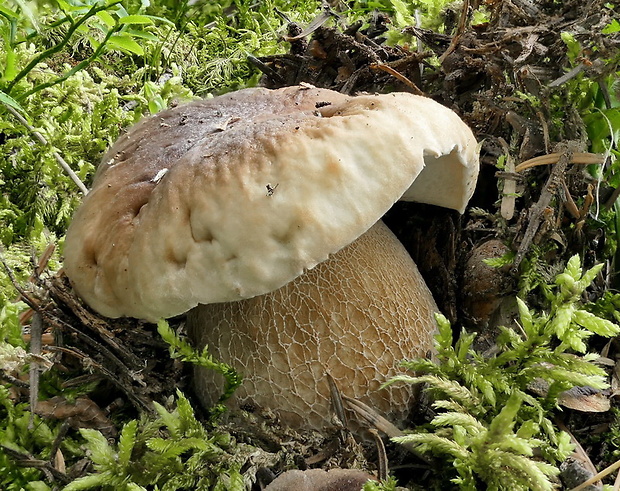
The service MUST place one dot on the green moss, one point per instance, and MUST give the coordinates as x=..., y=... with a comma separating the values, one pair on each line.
x=489, y=426
x=172, y=451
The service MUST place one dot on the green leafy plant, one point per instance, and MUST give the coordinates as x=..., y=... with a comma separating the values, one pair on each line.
x=389, y=485
x=171, y=451
x=489, y=425
x=116, y=27
x=179, y=348
x=27, y=435
x=67, y=106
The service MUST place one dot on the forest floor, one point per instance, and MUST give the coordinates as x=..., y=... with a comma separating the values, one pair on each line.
x=521, y=79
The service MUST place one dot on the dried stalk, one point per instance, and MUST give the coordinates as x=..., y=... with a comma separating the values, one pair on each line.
x=553, y=158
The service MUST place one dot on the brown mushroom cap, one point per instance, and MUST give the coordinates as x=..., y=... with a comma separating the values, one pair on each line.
x=235, y=196
x=320, y=480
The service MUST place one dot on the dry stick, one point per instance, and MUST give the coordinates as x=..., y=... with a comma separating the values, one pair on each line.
x=313, y=26
x=100, y=348
x=552, y=158
x=567, y=76
x=386, y=68
x=36, y=330
x=382, y=460
x=419, y=44
x=41, y=139
x=25, y=316
x=24, y=295
x=138, y=401
x=507, y=207
x=545, y=129
x=12, y=380
x=36, y=333
x=55, y=452
x=569, y=203
x=28, y=460
x=97, y=325
x=380, y=423
x=579, y=453
x=43, y=261
x=459, y=32
x=537, y=210
x=598, y=477
x=336, y=397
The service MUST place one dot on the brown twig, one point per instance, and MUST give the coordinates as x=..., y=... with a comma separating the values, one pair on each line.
x=28, y=460
x=25, y=296
x=536, y=212
x=139, y=402
x=459, y=31
x=97, y=348
x=14, y=381
x=569, y=202
x=606, y=471
x=378, y=422
x=61, y=292
x=36, y=330
x=382, y=460
x=388, y=69
x=314, y=25
x=336, y=399
x=507, y=207
x=553, y=158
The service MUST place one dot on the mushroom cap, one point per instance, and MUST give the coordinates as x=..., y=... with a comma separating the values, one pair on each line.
x=232, y=197
x=320, y=480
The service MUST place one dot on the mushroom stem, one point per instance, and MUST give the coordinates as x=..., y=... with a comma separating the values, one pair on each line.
x=354, y=317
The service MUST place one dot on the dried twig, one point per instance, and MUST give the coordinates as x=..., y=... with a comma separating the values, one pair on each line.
x=60, y=291
x=28, y=460
x=569, y=202
x=139, y=401
x=536, y=212
x=459, y=31
x=36, y=330
x=567, y=76
x=388, y=69
x=552, y=158
x=24, y=295
x=382, y=460
x=101, y=349
x=13, y=380
x=318, y=21
x=378, y=422
x=336, y=397
x=507, y=207
x=606, y=471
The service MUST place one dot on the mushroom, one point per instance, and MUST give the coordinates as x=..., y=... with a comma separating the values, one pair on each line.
x=320, y=480
x=262, y=208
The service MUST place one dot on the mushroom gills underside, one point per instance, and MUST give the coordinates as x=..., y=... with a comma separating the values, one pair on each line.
x=355, y=317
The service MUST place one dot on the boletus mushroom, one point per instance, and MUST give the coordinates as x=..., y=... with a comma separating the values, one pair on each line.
x=260, y=211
